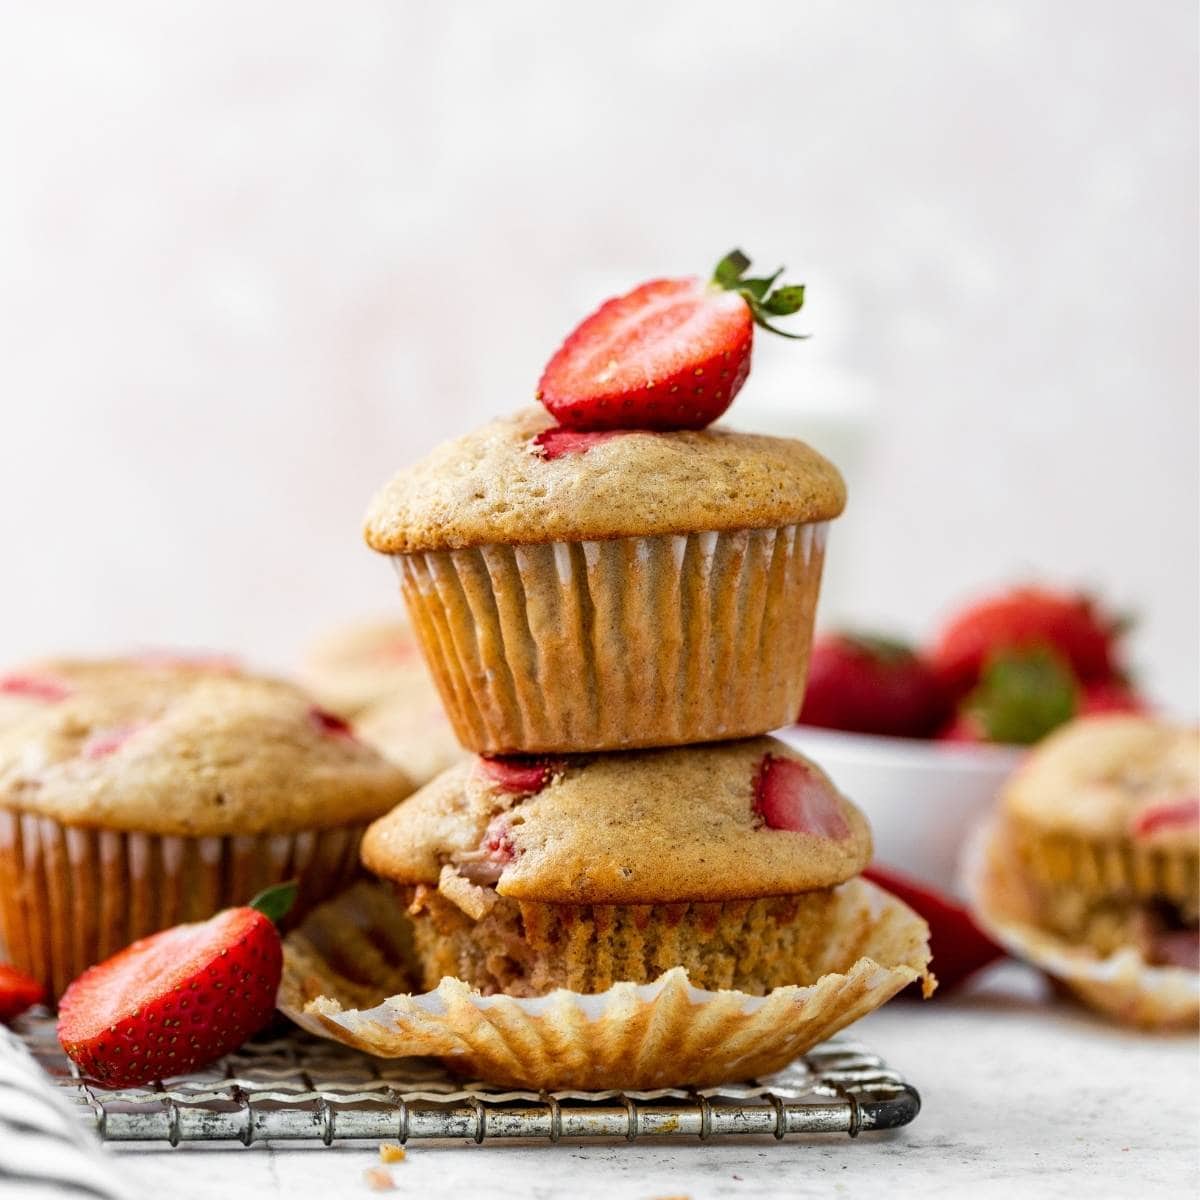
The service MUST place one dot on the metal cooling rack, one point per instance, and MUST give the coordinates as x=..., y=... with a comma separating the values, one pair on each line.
x=295, y=1087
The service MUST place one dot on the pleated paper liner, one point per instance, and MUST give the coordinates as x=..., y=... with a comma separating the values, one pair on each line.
x=72, y=896
x=1122, y=985
x=605, y=645
x=348, y=967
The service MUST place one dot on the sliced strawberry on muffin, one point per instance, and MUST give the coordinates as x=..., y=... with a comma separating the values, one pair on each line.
x=179, y=999
x=671, y=354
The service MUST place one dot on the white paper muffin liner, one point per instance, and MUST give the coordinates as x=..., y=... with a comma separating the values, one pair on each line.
x=1122, y=985
x=72, y=896
x=345, y=966
x=605, y=645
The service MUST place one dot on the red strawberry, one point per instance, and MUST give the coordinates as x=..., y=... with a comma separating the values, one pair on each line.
x=960, y=947
x=870, y=685
x=554, y=443
x=36, y=687
x=671, y=354
x=1172, y=814
x=178, y=999
x=1111, y=696
x=520, y=775
x=108, y=741
x=1021, y=619
x=331, y=724
x=17, y=992
x=789, y=794
x=1023, y=695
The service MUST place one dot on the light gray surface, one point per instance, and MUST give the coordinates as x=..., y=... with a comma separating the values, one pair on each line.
x=1023, y=1097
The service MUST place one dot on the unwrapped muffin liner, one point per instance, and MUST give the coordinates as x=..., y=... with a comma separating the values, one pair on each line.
x=1121, y=985
x=71, y=896
x=605, y=645
x=347, y=966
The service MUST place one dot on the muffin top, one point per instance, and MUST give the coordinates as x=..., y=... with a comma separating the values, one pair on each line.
x=498, y=486
x=365, y=663
x=198, y=756
x=1113, y=777
x=723, y=821
x=37, y=685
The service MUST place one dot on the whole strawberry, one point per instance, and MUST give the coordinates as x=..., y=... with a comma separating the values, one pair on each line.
x=1070, y=625
x=178, y=999
x=870, y=685
x=17, y=992
x=671, y=354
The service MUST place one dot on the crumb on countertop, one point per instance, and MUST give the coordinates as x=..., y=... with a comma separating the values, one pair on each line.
x=389, y=1152
x=379, y=1179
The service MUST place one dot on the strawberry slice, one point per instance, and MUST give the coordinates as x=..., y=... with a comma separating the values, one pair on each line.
x=17, y=992
x=1173, y=814
x=555, y=443
x=35, y=687
x=671, y=354
x=108, y=741
x=960, y=947
x=178, y=999
x=790, y=795
x=519, y=775
x=331, y=724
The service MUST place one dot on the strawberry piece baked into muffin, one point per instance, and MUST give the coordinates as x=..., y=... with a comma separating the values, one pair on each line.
x=373, y=673
x=525, y=875
x=604, y=573
x=129, y=807
x=1097, y=846
x=36, y=686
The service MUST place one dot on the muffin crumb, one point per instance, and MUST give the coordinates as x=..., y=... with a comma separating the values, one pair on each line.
x=390, y=1152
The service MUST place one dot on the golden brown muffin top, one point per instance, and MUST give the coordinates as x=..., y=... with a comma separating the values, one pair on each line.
x=493, y=486
x=37, y=685
x=728, y=820
x=1113, y=777
x=201, y=756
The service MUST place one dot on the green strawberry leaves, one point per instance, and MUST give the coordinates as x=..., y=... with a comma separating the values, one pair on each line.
x=730, y=275
x=275, y=902
x=1023, y=695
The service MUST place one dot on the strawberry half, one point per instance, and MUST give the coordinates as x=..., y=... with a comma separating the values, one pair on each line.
x=960, y=947
x=790, y=795
x=671, y=354
x=17, y=992
x=178, y=999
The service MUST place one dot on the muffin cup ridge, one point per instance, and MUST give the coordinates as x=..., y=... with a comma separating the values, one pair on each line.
x=71, y=896
x=670, y=639
x=338, y=984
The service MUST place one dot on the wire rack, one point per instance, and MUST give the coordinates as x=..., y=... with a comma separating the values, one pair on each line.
x=291, y=1086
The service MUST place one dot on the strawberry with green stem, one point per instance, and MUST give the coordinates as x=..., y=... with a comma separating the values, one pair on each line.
x=178, y=999
x=671, y=354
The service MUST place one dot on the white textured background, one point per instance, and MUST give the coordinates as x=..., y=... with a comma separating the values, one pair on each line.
x=253, y=257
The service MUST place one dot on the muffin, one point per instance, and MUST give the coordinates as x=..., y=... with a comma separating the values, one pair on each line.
x=642, y=589
x=129, y=807
x=525, y=875
x=1103, y=820
x=373, y=672
x=357, y=666
x=34, y=686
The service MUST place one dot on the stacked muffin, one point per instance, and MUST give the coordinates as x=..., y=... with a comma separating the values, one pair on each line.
x=613, y=630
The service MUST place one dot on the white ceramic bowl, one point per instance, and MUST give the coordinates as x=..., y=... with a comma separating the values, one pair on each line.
x=922, y=798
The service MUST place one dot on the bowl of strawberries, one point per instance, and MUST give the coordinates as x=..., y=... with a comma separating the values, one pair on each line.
x=923, y=737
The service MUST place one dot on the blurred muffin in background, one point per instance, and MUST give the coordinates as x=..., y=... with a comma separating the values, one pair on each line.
x=1092, y=869
x=372, y=672
x=35, y=686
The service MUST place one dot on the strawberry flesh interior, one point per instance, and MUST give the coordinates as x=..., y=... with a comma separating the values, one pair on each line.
x=36, y=687
x=151, y=970
x=790, y=795
x=557, y=443
x=1175, y=814
x=520, y=776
